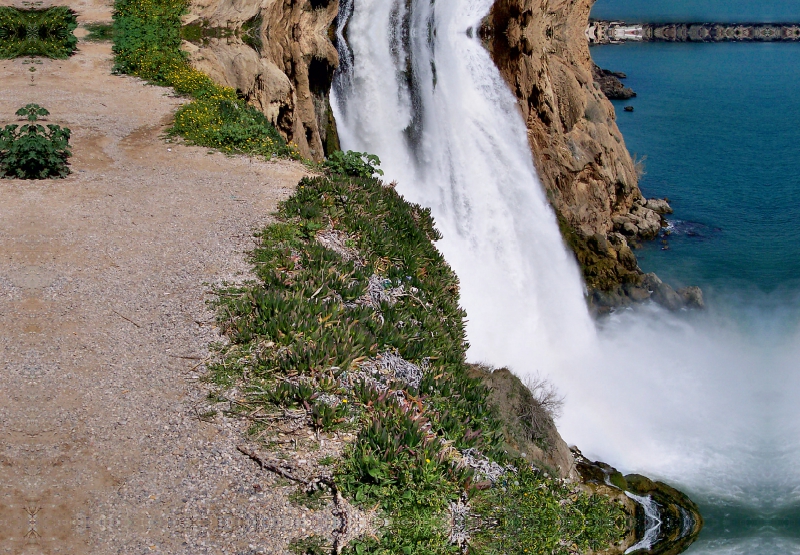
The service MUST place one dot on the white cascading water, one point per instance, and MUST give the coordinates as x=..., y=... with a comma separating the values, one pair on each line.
x=693, y=399
x=652, y=522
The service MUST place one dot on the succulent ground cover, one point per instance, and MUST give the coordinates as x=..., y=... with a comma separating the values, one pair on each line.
x=37, y=32
x=147, y=39
x=354, y=324
x=33, y=150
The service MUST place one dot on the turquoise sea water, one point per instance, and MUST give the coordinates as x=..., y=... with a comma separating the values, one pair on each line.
x=684, y=11
x=718, y=126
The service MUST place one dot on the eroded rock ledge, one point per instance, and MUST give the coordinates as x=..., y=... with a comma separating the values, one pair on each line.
x=540, y=48
x=285, y=69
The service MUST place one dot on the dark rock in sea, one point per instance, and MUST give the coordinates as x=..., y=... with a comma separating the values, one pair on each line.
x=611, y=85
x=662, y=293
x=629, y=108
x=692, y=297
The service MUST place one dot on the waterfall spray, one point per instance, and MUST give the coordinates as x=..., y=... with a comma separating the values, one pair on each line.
x=673, y=396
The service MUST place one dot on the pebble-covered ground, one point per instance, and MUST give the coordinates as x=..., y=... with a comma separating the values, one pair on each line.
x=104, y=325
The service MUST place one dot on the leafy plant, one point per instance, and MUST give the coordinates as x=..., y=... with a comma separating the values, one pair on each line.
x=311, y=545
x=33, y=151
x=354, y=164
x=37, y=32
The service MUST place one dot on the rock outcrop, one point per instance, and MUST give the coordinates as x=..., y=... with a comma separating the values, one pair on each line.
x=610, y=83
x=279, y=56
x=529, y=429
x=542, y=51
x=679, y=521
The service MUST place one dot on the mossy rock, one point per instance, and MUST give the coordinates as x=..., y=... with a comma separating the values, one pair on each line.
x=640, y=485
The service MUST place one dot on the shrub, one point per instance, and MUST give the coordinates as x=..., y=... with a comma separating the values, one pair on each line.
x=37, y=32
x=222, y=121
x=354, y=164
x=31, y=151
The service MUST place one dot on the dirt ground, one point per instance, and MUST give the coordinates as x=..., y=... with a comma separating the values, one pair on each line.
x=104, y=279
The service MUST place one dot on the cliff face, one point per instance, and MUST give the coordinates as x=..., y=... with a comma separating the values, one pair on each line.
x=278, y=55
x=541, y=50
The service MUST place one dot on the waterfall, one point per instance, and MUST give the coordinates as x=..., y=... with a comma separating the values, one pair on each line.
x=652, y=522
x=429, y=101
x=675, y=396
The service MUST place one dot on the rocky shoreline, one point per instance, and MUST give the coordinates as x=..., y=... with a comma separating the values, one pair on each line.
x=611, y=85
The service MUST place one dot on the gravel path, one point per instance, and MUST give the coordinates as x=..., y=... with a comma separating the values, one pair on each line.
x=103, y=321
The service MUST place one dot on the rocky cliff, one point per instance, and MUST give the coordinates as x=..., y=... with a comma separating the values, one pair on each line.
x=278, y=55
x=542, y=51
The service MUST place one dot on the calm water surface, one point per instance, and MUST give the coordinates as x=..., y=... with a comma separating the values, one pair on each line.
x=683, y=11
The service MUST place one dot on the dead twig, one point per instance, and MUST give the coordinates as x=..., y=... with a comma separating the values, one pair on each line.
x=272, y=466
x=125, y=318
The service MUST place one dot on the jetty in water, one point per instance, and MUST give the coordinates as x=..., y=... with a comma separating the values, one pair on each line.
x=616, y=32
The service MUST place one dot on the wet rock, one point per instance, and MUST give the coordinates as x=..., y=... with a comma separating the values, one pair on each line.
x=681, y=521
x=692, y=297
x=628, y=108
x=662, y=293
x=638, y=294
x=611, y=85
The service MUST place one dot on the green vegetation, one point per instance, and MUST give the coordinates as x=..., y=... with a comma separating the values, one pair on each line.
x=354, y=322
x=356, y=164
x=37, y=32
x=99, y=32
x=31, y=151
x=312, y=545
x=528, y=514
x=147, y=39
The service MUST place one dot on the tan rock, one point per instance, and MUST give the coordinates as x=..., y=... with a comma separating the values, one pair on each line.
x=289, y=76
x=542, y=52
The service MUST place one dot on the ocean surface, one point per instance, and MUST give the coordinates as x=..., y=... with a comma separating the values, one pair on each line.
x=716, y=128
x=694, y=11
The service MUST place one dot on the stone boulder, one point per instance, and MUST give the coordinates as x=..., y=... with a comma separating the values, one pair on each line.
x=692, y=297
x=659, y=205
x=662, y=293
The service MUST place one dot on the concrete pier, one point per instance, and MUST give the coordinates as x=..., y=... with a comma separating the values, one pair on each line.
x=615, y=32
